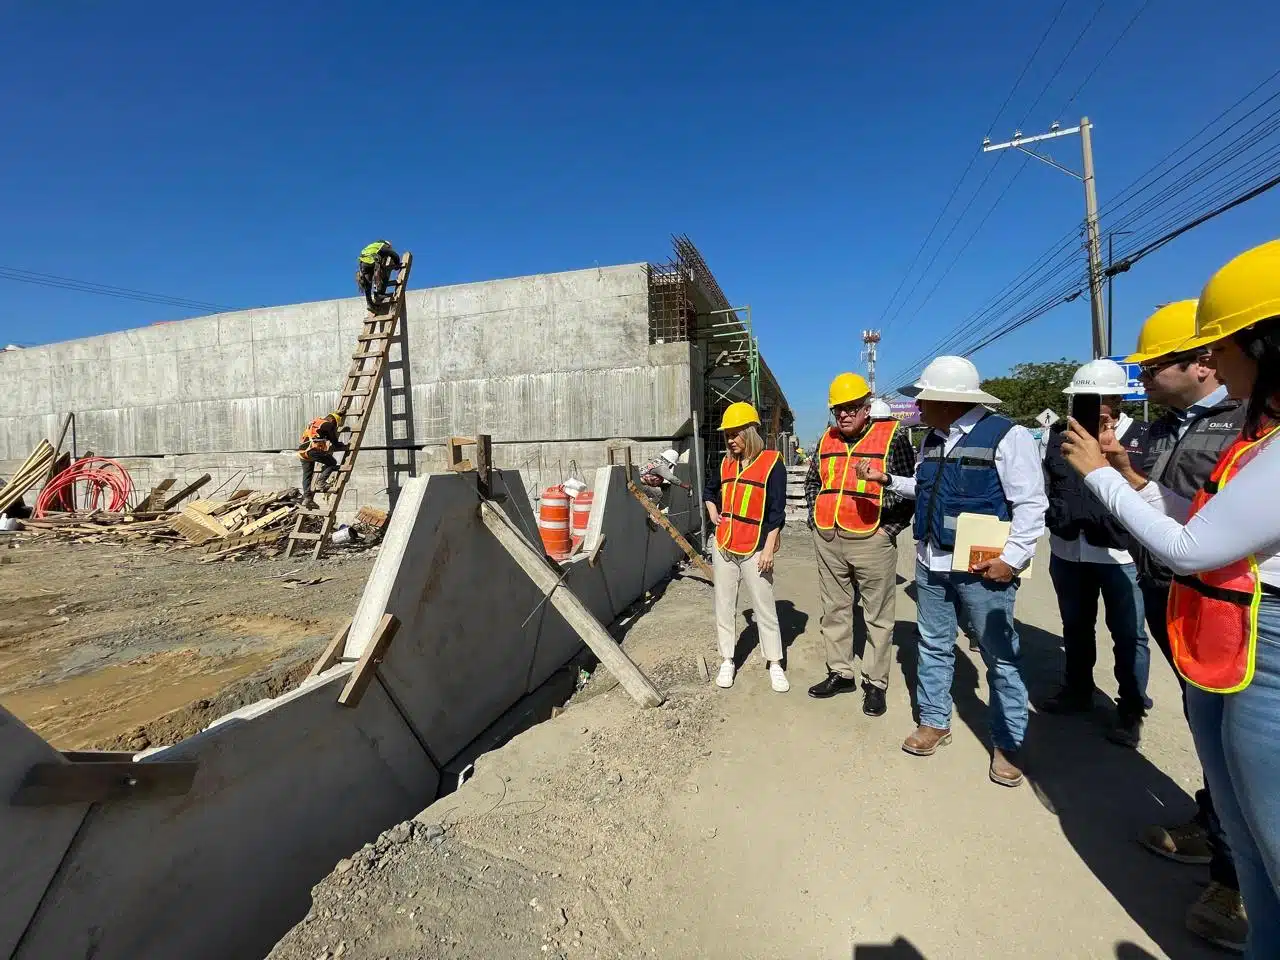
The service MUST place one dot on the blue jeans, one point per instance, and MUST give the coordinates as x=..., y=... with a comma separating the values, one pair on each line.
x=944, y=599
x=1078, y=586
x=1237, y=736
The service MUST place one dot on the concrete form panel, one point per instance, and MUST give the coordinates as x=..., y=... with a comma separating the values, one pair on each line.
x=225, y=870
x=33, y=840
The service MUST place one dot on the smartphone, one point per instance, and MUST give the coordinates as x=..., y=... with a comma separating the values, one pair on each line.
x=1086, y=410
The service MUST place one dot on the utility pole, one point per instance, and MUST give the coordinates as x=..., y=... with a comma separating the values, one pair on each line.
x=1093, y=243
x=1101, y=342
x=870, y=338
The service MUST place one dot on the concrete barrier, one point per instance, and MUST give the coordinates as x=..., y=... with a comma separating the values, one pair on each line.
x=285, y=788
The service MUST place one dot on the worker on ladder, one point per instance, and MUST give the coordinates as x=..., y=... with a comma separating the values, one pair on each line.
x=319, y=441
x=377, y=260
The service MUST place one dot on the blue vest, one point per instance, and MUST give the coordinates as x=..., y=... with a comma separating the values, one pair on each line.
x=962, y=481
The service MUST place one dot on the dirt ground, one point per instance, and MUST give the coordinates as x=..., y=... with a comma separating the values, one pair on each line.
x=748, y=824
x=116, y=647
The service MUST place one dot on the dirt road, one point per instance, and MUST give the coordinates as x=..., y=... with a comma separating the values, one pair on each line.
x=119, y=647
x=749, y=824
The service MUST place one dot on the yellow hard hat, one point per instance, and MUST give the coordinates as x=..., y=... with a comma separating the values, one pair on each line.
x=846, y=388
x=1240, y=294
x=739, y=415
x=338, y=417
x=1166, y=331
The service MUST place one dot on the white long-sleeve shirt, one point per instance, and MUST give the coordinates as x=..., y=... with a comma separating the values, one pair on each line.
x=1018, y=464
x=1079, y=549
x=1242, y=519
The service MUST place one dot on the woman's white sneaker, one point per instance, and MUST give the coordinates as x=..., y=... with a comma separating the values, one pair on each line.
x=778, y=679
x=725, y=677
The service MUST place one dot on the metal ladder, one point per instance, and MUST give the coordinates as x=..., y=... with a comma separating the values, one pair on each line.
x=381, y=327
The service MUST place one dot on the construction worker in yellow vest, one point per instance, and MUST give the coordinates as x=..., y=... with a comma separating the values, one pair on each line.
x=318, y=443
x=377, y=260
x=855, y=526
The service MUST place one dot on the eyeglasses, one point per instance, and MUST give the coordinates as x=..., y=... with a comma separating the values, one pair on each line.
x=849, y=409
x=1151, y=369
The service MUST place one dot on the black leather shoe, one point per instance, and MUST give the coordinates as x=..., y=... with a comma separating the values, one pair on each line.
x=1067, y=701
x=832, y=685
x=873, y=704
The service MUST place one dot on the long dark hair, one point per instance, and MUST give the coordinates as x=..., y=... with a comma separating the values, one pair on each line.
x=1261, y=343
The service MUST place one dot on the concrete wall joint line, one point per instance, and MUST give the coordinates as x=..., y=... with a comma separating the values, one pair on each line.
x=53, y=881
x=404, y=715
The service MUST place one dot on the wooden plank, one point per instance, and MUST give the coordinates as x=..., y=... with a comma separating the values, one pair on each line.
x=571, y=608
x=264, y=521
x=98, y=781
x=657, y=517
x=362, y=676
x=595, y=551
x=332, y=653
x=148, y=502
x=185, y=492
x=304, y=536
x=212, y=524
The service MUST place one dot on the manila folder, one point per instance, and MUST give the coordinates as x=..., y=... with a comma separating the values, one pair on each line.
x=980, y=537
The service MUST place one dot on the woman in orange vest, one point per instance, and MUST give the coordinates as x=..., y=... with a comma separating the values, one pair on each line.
x=746, y=501
x=1224, y=548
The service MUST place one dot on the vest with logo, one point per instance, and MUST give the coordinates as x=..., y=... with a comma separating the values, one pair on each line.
x=1213, y=616
x=742, y=503
x=963, y=480
x=1184, y=464
x=844, y=501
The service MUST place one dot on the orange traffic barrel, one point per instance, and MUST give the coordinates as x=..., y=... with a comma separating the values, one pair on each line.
x=553, y=522
x=581, y=515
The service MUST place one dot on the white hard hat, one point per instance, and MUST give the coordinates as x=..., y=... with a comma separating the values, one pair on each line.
x=949, y=378
x=880, y=410
x=671, y=457
x=1106, y=378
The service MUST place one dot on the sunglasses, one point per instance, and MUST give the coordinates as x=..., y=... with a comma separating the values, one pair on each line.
x=848, y=409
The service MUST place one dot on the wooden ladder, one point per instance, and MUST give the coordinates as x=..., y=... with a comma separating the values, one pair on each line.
x=359, y=391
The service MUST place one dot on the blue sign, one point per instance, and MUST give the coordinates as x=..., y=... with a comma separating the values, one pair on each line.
x=1137, y=392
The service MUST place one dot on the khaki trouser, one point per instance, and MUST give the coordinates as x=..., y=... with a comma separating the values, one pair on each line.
x=859, y=603
x=729, y=573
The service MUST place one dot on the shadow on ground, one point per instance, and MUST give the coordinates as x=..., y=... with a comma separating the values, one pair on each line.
x=903, y=949
x=791, y=623
x=1102, y=794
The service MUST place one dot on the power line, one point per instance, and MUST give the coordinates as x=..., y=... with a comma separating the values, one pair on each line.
x=1062, y=63
x=972, y=160
x=107, y=290
x=1115, y=43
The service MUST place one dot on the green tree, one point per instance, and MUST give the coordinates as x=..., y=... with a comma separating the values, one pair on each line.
x=1032, y=387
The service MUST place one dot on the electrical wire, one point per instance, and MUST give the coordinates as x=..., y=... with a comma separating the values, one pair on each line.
x=101, y=474
x=972, y=160
x=107, y=290
x=1115, y=43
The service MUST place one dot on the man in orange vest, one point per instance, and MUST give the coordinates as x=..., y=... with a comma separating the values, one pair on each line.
x=317, y=445
x=855, y=524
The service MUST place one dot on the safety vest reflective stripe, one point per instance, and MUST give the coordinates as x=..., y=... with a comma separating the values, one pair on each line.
x=742, y=503
x=844, y=500
x=370, y=253
x=1213, y=616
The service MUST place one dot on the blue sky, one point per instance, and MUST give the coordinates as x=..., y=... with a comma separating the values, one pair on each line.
x=241, y=153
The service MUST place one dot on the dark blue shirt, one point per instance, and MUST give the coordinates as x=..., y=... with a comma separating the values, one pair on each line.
x=775, y=496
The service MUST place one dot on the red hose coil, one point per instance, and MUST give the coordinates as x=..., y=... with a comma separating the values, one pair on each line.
x=100, y=474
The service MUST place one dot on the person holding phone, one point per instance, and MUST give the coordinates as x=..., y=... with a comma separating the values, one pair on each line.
x=973, y=461
x=1089, y=559
x=1223, y=546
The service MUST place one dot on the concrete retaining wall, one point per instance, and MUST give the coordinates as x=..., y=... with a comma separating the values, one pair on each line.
x=556, y=357
x=286, y=787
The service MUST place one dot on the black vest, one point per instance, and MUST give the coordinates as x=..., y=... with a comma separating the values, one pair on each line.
x=1074, y=510
x=1183, y=465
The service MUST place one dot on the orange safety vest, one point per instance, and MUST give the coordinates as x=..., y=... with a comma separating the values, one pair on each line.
x=844, y=500
x=311, y=439
x=1213, y=616
x=742, y=497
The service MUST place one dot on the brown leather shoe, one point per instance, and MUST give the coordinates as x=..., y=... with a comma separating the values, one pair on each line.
x=1006, y=767
x=926, y=740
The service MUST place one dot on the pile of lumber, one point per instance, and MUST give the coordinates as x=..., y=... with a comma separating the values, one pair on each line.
x=217, y=528
x=797, y=508
x=35, y=470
